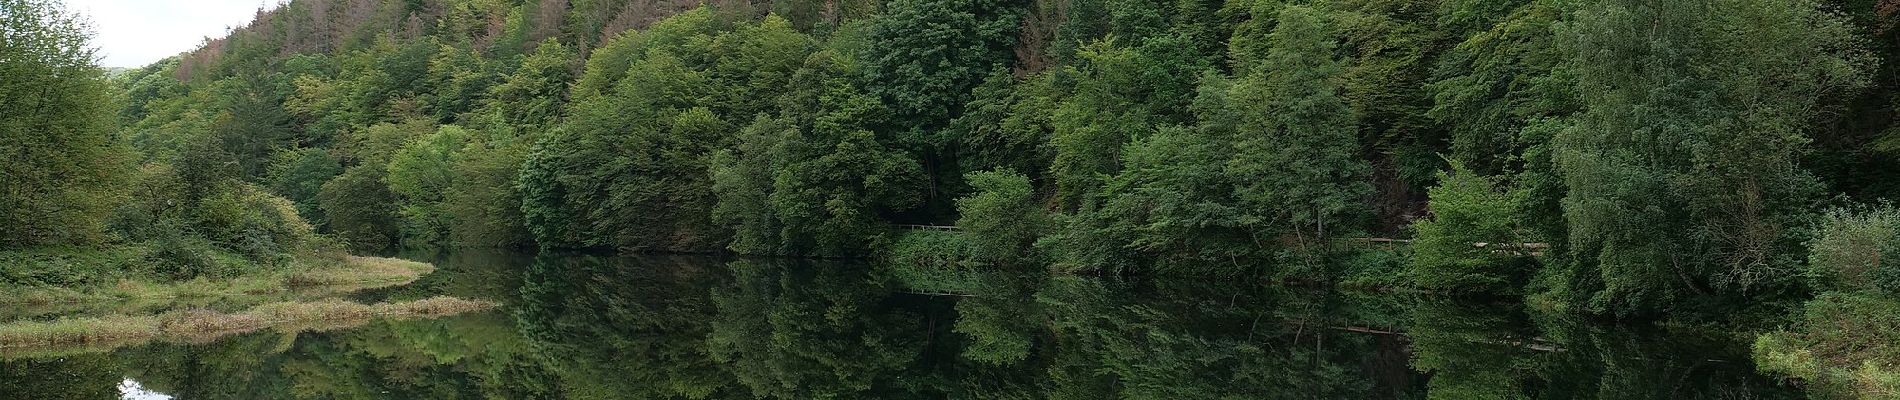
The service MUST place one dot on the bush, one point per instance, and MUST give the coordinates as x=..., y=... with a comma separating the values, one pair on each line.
x=932, y=249
x=182, y=257
x=1854, y=247
x=1003, y=219
x=1844, y=345
x=63, y=266
x=255, y=224
x=1466, y=209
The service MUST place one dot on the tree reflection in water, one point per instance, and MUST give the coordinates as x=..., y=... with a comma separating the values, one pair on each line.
x=594, y=327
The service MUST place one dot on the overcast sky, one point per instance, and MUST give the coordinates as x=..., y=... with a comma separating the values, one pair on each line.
x=133, y=33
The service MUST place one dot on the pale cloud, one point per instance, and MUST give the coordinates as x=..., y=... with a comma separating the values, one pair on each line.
x=133, y=33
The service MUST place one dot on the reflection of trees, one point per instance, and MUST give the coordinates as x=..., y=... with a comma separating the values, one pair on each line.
x=626, y=327
x=1472, y=351
x=1632, y=362
x=1495, y=351
x=82, y=376
x=646, y=327
x=805, y=333
x=1204, y=340
x=473, y=356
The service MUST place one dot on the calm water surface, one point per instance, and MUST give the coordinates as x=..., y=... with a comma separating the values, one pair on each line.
x=594, y=327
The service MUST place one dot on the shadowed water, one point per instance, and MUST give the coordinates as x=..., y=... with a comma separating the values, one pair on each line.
x=593, y=327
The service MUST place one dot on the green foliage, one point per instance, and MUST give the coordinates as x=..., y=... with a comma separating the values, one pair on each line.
x=924, y=56
x=1855, y=249
x=299, y=175
x=360, y=209
x=420, y=174
x=1296, y=138
x=1841, y=345
x=1121, y=93
x=64, y=169
x=255, y=224
x=1166, y=204
x=1468, y=210
x=1682, y=172
x=832, y=180
x=629, y=168
x=1390, y=48
x=534, y=95
x=482, y=204
x=1002, y=219
x=1007, y=123
x=1503, y=76
x=932, y=251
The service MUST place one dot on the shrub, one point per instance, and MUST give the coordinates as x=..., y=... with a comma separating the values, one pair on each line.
x=1855, y=249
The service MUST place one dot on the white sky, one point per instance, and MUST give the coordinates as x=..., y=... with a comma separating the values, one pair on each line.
x=133, y=33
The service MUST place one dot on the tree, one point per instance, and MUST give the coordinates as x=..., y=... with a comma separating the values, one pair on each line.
x=1002, y=219
x=1682, y=172
x=630, y=163
x=1295, y=155
x=1167, y=205
x=922, y=60
x=925, y=55
x=833, y=180
x=482, y=203
x=1121, y=93
x=1469, y=243
x=535, y=94
x=64, y=169
x=420, y=174
x=359, y=207
x=299, y=174
x=1854, y=250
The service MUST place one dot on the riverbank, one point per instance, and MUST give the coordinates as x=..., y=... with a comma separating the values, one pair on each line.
x=201, y=325
x=331, y=275
x=127, y=280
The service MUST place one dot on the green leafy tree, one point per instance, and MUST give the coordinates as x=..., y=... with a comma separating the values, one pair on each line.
x=922, y=59
x=1296, y=140
x=1857, y=250
x=483, y=204
x=360, y=208
x=64, y=169
x=1002, y=219
x=537, y=91
x=833, y=181
x=631, y=162
x=1121, y=93
x=299, y=174
x=1682, y=172
x=420, y=174
x=924, y=56
x=1472, y=240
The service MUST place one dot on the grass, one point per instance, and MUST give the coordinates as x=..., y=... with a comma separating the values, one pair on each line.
x=198, y=325
x=129, y=295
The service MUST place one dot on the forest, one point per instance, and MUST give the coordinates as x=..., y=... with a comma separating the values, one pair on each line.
x=1725, y=162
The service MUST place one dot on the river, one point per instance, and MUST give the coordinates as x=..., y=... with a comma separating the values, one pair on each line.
x=658, y=327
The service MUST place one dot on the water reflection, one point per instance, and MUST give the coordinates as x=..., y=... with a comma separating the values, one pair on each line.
x=580, y=326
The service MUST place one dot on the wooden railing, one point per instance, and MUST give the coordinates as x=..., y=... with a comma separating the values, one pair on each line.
x=1525, y=249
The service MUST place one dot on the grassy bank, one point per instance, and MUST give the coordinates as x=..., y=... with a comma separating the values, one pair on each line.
x=125, y=293
x=199, y=325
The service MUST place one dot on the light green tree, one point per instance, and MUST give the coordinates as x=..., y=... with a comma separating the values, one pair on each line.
x=64, y=169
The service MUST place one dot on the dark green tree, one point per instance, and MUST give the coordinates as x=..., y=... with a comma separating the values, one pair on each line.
x=1682, y=172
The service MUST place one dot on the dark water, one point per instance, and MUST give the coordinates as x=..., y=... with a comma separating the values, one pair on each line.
x=595, y=327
